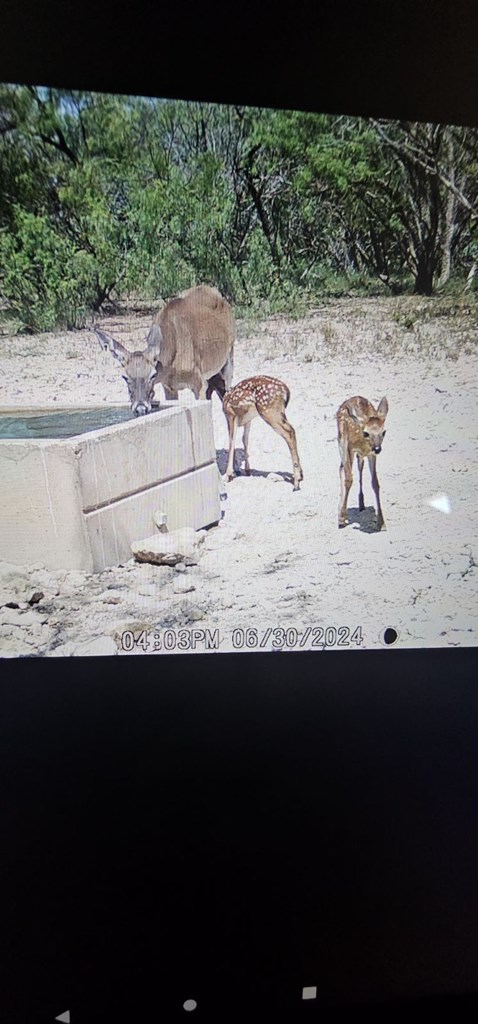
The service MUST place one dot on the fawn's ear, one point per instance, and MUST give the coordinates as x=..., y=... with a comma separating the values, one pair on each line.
x=351, y=411
x=383, y=408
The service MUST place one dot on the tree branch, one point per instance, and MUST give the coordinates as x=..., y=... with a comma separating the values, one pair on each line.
x=405, y=150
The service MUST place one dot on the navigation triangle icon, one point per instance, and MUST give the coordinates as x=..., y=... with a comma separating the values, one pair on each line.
x=64, y=1017
x=442, y=503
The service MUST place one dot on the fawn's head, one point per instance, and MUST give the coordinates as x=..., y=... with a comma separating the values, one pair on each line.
x=372, y=428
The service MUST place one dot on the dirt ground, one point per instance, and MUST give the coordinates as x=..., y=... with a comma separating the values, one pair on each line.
x=277, y=573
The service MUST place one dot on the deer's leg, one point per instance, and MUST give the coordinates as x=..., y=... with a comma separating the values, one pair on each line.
x=360, y=462
x=279, y=422
x=346, y=480
x=372, y=461
x=232, y=426
x=245, y=442
x=197, y=384
x=170, y=394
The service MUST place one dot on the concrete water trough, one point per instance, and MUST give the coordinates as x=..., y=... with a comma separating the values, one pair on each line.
x=79, y=485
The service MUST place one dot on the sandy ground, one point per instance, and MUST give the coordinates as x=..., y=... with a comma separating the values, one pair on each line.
x=277, y=566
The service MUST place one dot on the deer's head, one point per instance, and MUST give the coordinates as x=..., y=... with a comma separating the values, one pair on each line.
x=140, y=369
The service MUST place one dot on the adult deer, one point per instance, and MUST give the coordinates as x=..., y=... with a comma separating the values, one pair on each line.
x=266, y=397
x=190, y=345
x=361, y=432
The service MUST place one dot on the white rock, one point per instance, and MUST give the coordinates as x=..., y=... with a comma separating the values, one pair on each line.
x=118, y=627
x=18, y=641
x=63, y=650
x=15, y=585
x=24, y=620
x=101, y=645
x=75, y=577
x=458, y=565
x=183, y=585
x=169, y=548
x=193, y=613
x=111, y=596
x=145, y=590
x=15, y=646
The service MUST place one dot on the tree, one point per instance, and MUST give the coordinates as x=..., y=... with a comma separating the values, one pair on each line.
x=438, y=171
x=105, y=197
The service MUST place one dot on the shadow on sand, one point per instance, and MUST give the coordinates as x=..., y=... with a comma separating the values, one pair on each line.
x=222, y=457
x=365, y=521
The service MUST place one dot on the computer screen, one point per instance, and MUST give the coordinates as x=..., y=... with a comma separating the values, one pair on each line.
x=238, y=382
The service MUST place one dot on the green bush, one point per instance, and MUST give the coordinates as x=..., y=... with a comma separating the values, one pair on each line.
x=106, y=197
x=46, y=282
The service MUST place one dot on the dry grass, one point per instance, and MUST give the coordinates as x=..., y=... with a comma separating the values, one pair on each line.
x=371, y=329
x=372, y=332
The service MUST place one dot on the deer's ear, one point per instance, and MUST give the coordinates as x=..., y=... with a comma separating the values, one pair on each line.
x=154, y=342
x=115, y=347
x=383, y=408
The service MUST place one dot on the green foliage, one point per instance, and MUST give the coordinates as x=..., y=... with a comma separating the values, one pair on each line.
x=46, y=281
x=105, y=197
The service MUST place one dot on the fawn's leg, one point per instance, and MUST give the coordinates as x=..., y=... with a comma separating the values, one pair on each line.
x=245, y=442
x=232, y=427
x=346, y=480
x=360, y=462
x=372, y=461
x=279, y=422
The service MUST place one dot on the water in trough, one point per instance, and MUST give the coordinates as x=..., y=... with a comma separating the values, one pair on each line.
x=31, y=424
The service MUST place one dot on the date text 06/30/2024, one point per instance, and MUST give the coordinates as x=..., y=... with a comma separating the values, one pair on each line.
x=276, y=638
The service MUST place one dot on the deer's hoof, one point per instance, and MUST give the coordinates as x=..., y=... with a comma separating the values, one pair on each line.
x=342, y=524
